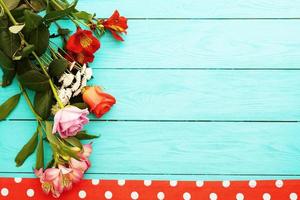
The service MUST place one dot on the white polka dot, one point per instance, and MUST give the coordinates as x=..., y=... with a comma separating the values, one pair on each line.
x=279, y=183
x=147, y=182
x=18, y=180
x=226, y=184
x=134, y=195
x=239, y=196
x=293, y=196
x=266, y=196
x=4, y=192
x=199, y=183
x=30, y=192
x=213, y=196
x=173, y=183
x=252, y=183
x=160, y=196
x=95, y=181
x=82, y=194
x=108, y=195
x=187, y=196
x=121, y=182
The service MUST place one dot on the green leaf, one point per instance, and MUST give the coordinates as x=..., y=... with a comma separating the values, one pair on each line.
x=24, y=65
x=39, y=37
x=40, y=152
x=74, y=142
x=3, y=23
x=51, y=137
x=27, y=150
x=83, y=135
x=34, y=80
x=7, y=107
x=42, y=103
x=84, y=15
x=57, y=67
x=26, y=51
x=59, y=14
x=8, y=69
x=11, y=4
x=9, y=43
x=32, y=20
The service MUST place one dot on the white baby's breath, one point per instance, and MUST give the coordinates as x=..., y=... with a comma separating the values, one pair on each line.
x=88, y=73
x=72, y=66
x=68, y=80
x=76, y=85
x=82, y=71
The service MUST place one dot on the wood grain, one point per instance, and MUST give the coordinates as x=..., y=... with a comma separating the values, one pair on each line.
x=194, y=95
x=195, y=8
x=177, y=149
x=212, y=44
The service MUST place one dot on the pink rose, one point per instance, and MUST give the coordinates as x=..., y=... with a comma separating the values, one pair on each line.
x=51, y=180
x=69, y=121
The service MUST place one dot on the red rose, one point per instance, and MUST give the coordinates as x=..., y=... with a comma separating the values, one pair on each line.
x=98, y=101
x=116, y=24
x=81, y=46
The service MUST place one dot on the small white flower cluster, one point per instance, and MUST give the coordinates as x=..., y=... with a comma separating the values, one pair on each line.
x=70, y=88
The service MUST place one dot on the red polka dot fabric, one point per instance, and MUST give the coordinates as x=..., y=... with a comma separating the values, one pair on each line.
x=19, y=189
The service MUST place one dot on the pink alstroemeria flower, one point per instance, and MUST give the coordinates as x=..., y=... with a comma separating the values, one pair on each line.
x=87, y=150
x=70, y=176
x=51, y=180
x=83, y=164
x=69, y=121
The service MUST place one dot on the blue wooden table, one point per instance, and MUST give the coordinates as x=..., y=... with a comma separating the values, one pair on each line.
x=206, y=89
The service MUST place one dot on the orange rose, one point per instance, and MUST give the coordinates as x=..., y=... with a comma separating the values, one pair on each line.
x=98, y=101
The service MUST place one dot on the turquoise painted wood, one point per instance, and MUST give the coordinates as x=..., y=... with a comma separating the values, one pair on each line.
x=195, y=95
x=199, y=96
x=195, y=8
x=203, y=44
x=182, y=149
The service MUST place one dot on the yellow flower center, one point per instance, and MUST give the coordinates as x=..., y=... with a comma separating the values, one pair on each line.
x=85, y=41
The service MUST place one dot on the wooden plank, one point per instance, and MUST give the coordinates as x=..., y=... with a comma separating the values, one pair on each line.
x=203, y=44
x=194, y=8
x=174, y=150
x=194, y=95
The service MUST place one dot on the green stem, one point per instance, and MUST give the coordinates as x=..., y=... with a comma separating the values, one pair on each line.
x=70, y=16
x=50, y=81
x=29, y=102
x=12, y=19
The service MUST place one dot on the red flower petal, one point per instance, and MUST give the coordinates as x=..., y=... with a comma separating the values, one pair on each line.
x=116, y=36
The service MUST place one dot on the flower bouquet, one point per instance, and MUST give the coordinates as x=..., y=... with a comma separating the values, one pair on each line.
x=58, y=75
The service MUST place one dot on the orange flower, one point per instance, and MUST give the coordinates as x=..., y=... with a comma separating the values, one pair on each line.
x=116, y=24
x=98, y=101
x=81, y=46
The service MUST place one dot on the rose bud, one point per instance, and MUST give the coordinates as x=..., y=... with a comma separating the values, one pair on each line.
x=69, y=121
x=98, y=101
